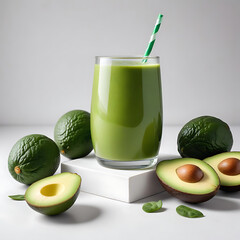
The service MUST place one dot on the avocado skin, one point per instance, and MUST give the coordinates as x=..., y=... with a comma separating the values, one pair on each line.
x=36, y=155
x=203, y=137
x=58, y=208
x=72, y=134
x=187, y=197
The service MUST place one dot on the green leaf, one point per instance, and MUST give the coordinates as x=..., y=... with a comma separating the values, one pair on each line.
x=188, y=212
x=17, y=197
x=152, y=206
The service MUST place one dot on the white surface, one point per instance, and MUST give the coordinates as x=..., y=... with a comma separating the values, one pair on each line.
x=47, y=50
x=93, y=217
x=126, y=186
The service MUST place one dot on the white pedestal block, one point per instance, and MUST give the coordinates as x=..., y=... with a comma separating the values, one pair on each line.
x=122, y=185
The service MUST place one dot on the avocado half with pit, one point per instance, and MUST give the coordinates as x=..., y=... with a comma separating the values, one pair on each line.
x=227, y=166
x=54, y=195
x=189, y=179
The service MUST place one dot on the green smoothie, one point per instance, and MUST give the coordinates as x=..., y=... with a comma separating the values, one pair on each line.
x=126, y=111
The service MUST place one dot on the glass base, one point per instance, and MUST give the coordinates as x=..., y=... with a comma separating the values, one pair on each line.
x=128, y=165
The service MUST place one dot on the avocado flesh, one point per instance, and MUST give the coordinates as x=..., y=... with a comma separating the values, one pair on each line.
x=55, y=194
x=231, y=183
x=200, y=191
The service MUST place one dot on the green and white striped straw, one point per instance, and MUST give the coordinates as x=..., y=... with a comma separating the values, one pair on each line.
x=153, y=37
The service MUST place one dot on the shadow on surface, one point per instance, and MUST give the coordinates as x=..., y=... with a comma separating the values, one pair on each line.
x=220, y=204
x=90, y=155
x=23, y=188
x=79, y=213
x=160, y=196
x=229, y=194
x=167, y=157
x=161, y=210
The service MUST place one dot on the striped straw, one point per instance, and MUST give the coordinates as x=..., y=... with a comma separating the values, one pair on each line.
x=153, y=37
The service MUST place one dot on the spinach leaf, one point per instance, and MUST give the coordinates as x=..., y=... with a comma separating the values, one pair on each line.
x=188, y=212
x=17, y=197
x=152, y=206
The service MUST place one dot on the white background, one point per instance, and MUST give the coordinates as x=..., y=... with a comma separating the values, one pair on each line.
x=47, y=50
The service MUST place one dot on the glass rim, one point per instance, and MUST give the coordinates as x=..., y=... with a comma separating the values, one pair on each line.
x=136, y=57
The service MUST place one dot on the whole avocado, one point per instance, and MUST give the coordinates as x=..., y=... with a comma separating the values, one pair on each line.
x=203, y=137
x=32, y=158
x=72, y=134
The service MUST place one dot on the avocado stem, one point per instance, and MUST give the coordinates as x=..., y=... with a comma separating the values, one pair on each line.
x=17, y=170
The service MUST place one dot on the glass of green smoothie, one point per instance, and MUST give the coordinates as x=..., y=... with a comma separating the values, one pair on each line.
x=126, y=112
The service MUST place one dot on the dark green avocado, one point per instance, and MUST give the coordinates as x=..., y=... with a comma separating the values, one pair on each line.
x=33, y=157
x=72, y=134
x=203, y=137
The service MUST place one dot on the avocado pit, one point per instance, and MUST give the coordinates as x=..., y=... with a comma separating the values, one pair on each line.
x=229, y=166
x=190, y=173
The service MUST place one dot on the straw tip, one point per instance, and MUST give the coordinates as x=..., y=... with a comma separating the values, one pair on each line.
x=160, y=16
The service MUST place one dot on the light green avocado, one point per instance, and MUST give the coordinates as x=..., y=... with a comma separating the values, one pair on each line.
x=194, y=192
x=55, y=194
x=228, y=182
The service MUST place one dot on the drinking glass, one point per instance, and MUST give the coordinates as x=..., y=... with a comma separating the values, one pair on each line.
x=126, y=112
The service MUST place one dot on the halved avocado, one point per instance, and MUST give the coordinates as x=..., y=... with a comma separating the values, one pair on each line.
x=227, y=166
x=55, y=194
x=188, y=179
